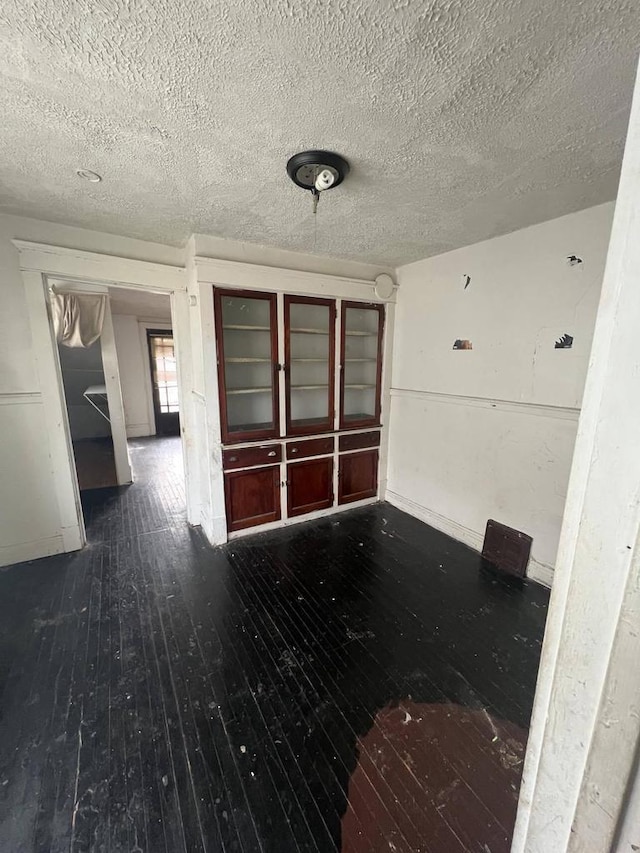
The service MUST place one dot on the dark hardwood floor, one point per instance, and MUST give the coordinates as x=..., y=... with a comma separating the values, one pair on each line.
x=359, y=683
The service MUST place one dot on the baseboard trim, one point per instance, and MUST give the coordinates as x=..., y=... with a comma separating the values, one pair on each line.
x=139, y=431
x=539, y=572
x=26, y=551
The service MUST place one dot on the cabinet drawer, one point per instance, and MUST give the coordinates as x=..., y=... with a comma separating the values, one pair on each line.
x=246, y=457
x=313, y=447
x=362, y=439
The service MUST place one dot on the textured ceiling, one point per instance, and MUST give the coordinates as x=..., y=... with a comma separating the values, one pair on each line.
x=462, y=119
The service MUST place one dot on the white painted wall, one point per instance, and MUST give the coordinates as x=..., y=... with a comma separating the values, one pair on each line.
x=133, y=357
x=82, y=367
x=489, y=432
x=132, y=377
x=30, y=519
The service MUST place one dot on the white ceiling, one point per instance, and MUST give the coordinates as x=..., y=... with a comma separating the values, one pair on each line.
x=140, y=303
x=462, y=119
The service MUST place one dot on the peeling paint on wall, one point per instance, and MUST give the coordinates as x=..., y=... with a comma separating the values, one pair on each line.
x=459, y=343
x=564, y=342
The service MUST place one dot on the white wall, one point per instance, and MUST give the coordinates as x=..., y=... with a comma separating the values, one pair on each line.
x=82, y=367
x=135, y=375
x=489, y=432
x=30, y=524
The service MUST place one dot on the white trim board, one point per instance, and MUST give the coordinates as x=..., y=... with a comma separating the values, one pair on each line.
x=540, y=409
x=24, y=552
x=237, y=274
x=536, y=571
x=79, y=265
x=19, y=398
x=300, y=519
x=143, y=328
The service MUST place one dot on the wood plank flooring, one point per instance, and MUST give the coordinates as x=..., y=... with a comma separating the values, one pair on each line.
x=359, y=684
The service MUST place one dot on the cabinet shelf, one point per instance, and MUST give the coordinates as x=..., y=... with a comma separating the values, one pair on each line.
x=248, y=360
x=265, y=390
x=355, y=333
x=360, y=387
x=361, y=359
x=239, y=327
x=309, y=331
x=317, y=360
x=308, y=387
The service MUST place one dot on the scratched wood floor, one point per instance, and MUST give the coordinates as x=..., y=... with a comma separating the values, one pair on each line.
x=360, y=684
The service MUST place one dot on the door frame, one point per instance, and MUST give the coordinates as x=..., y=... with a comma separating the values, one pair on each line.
x=143, y=328
x=151, y=332
x=40, y=265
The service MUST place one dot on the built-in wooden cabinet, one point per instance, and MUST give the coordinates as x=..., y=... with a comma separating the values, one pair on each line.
x=293, y=371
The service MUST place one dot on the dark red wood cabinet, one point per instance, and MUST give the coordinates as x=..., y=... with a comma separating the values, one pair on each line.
x=358, y=476
x=299, y=388
x=252, y=497
x=309, y=486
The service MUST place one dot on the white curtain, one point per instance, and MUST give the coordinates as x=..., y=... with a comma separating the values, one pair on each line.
x=77, y=318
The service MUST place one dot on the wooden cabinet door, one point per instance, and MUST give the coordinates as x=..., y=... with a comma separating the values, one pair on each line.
x=310, y=486
x=309, y=346
x=247, y=345
x=358, y=476
x=361, y=364
x=252, y=497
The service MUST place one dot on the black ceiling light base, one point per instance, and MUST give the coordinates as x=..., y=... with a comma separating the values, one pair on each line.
x=304, y=168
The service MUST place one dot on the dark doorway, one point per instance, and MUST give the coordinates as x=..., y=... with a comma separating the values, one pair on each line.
x=164, y=381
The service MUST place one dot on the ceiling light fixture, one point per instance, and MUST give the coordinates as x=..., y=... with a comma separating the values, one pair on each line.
x=317, y=171
x=88, y=175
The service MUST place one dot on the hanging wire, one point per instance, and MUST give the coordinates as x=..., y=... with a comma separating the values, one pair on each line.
x=315, y=223
x=316, y=199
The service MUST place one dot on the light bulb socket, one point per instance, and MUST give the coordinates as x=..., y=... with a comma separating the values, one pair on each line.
x=304, y=168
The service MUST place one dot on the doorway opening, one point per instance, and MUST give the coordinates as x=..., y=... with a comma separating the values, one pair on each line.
x=85, y=391
x=164, y=381
x=122, y=398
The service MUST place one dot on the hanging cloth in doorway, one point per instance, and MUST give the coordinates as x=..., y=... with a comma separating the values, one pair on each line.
x=77, y=318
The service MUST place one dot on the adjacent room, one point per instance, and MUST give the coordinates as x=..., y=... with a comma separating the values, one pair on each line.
x=318, y=347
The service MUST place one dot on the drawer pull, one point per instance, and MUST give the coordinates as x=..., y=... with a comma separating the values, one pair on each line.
x=233, y=459
x=271, y=453
x=294, y=449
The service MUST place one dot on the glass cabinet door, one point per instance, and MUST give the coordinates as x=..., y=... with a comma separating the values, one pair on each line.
x=247, y=340
x=309, y=363
x=361, y=356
